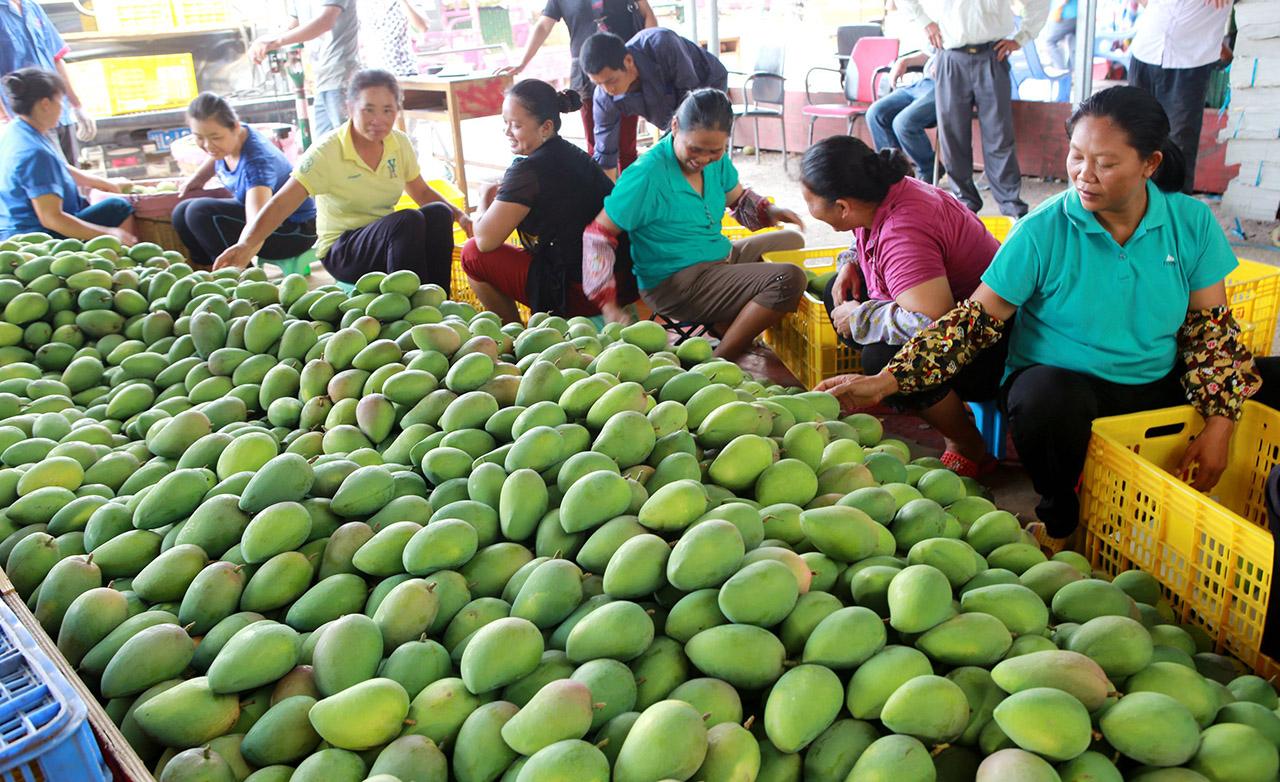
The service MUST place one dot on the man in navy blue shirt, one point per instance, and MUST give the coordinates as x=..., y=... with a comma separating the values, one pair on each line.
x=29, y=40
x=647, y=76
x=585, y=18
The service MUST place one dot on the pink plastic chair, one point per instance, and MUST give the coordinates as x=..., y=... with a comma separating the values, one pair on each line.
x=870, y=59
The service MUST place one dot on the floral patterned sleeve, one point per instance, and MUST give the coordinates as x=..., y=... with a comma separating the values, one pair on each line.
x=1219, y=374
x=938, y=353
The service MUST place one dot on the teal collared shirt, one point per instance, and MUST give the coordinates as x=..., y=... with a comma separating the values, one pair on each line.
x=1088, y=304
x=671, y=227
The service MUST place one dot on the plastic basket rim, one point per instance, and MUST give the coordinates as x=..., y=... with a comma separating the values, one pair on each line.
x=1178, y=487
x=70, y=716
x=1248, y=270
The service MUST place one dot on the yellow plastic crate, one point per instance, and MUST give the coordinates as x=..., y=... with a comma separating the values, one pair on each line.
x=201, y=13
x=999, y=226
x=460, y=287
x=126, y=85
x=1253, y=291
x=805, y=341
x=1211, y=553
x=453, y=195
x=133, y=16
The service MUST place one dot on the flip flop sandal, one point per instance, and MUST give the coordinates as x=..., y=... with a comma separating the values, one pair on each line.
x=965, y=467
x=1049, y=544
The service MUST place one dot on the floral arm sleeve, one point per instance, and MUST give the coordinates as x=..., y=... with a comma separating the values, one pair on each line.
x=1219, y=374
x=599, y=253
x=938, y=353
x=752, y=210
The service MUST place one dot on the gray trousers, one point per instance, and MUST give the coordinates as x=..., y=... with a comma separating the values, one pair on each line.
x=963, y=81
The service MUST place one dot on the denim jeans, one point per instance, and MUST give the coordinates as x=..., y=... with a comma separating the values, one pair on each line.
x=899, y=120
x=328, y=112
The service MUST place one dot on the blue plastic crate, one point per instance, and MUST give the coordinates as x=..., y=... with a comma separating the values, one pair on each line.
x=44, y=726
x=163, y=138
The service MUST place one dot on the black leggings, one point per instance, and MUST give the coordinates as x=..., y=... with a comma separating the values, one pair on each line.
x=977, y=382
x=1269, y=370
x=420, y=240
x=1051, y=413
x=207, y=226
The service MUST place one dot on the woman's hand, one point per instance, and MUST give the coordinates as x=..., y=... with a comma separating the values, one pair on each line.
x=840, y=317
x=237, y=256
x=464, y=222
x=615, y=314
x=848, y=285
x=509, y=70
x=189, y=185
x=857, y=392
x=114, y=185
x=781, y=215
x=124, y=236
x=1208, y=454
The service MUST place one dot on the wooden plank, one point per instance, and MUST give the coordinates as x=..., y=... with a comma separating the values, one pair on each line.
x=124, y=763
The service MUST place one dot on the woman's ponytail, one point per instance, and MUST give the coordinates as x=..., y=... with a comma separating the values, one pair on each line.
x=26, y=87
x=845, y=167
x=1171, y=174
x=544, y=102
x=569, y=101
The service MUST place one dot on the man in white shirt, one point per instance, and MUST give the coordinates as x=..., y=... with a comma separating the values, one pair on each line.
x=975, y=39
x=1177, y=45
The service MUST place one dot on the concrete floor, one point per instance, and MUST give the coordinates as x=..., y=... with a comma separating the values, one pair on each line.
x=1009, y=482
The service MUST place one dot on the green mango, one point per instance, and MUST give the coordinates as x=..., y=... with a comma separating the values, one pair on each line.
x=153, y=655
x=678, y=729
x=188, y=714
x=258, y=654
x=561, y=710
x=365, y=715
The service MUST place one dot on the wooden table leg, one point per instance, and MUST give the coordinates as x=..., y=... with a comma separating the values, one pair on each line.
x=459, y=161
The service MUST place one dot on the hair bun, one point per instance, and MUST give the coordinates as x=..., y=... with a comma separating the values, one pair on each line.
x=568, y=101
x=14, y=84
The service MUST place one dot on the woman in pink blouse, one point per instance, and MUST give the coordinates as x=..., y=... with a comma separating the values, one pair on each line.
x=916, y=252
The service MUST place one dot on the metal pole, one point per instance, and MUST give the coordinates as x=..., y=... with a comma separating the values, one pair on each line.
x=692, y=11
x=713, y=33
x=1086, y=26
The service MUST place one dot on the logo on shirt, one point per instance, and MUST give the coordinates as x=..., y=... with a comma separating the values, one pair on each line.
x=1170, y=259
x=391, y=167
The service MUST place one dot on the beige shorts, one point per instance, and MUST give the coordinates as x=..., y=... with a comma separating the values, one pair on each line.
x=716, y=291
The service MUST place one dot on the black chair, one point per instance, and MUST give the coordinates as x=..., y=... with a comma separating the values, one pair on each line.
x=764, y=95
x=685, y=329
x=848, y=35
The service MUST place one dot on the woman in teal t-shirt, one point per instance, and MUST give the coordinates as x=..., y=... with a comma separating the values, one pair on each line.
x=671, y=203
x=1115, y=292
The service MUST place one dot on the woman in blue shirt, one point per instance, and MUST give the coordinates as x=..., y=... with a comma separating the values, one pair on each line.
x=38, y=190
x=1115, y=293
x=253, y=169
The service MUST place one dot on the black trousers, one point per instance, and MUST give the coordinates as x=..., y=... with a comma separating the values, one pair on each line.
x=207, y=226
x=1051, y=413
x=977, y=382
x=420, y=240
x=1269, y=370
x=1182, y=92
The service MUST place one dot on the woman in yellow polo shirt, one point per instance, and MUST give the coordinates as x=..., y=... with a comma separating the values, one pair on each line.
x=357, y=175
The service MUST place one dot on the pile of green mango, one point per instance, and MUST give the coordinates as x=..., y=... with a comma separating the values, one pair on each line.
x=292, y=534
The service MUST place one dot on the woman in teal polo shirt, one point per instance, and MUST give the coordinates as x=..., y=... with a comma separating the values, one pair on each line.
x=1115, y=291
x=671, y=203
